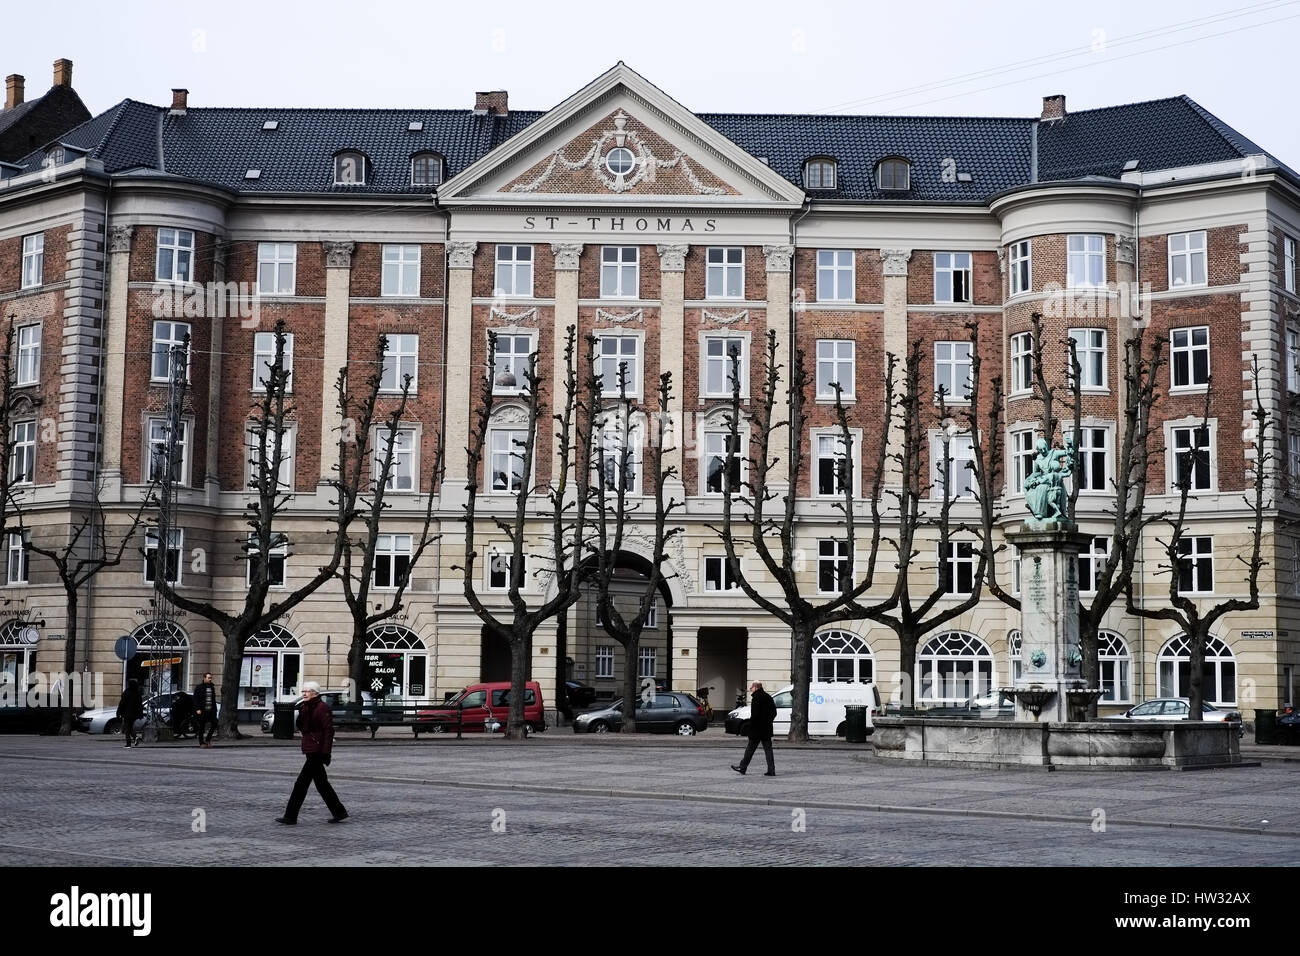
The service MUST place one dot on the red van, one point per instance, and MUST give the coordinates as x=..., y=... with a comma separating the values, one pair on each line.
x=476, y=703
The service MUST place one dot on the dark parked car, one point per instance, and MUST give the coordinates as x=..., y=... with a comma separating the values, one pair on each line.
x=1288, y=727
x=580, y=695
x=674, y=712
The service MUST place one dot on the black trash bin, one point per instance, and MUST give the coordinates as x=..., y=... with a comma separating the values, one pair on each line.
x=282, y=726
x=1265, y=727
x=855, y=723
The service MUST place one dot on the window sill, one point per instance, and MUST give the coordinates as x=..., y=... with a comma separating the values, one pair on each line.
x=1022, y=393
x=1192, y=492
x=29, y=288
x=263, y=294
x=938, y=302
x=951, y=402
x=830, y=399
x=398, y=295
x=831, y=303
x=1188, y=389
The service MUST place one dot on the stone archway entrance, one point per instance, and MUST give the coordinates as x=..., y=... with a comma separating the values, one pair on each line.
x=722, y=655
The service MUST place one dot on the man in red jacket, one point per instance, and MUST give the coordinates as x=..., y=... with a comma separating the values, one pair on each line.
x=316, y=722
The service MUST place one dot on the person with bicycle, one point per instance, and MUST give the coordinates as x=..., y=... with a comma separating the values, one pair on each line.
x=762, y=714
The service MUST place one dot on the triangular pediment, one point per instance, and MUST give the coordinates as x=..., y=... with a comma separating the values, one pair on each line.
x=619, y=140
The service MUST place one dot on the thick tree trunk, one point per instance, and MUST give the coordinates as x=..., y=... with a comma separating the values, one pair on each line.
x=631, y=685
x=1195, y=677
x=515, y=724
x=801, y=644
x=1091, y=666
x=357, y=661
x=907, y=669
x=69, y=662
x=228, y=725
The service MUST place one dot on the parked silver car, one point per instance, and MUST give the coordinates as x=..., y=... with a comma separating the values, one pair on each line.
x=1177, y=708
x=104, y=720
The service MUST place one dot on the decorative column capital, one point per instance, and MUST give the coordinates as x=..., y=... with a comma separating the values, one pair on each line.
x=338, y=255
x=778, y=258
x=119, y=238
x=672, y=256
x=1126, y=249
x=566, y=255
x=460, y=255
x=895, y=261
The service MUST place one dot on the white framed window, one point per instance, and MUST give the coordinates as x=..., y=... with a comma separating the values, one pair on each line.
x=652, y=616
x=1293, y=360
x=1196, y=564
x=167, y=336
x=510, y=363
x=27, y=369
x=957, y=568
x=33, y=260
x=894, y=174
x=952, y=668
x=613, y=352
x=714, y=475
x=615, y=473
x=1015, y=656
x=264, y=360
x=392, y=561
x=162, y=444
x=1293, y=459
x=834, y=566
x=1219, y=680
x=1189, y=357
x=717, y=574
x=499, y=564
x=1015, y=570
x=620, y=272
x=841, y=657
x=1114, y=667
x=17, y=564
x=1093, y=447
x=721, y=353
x=819, y=174
x=1085, y=261
x=401, y=360
x=835, y=365
x=275, y=560
x=400, y=271
x=349, y=168
x=403, y=469
x=829, y=460
x=277, y=268
x=952, y=271
x=22, y=462
x=505, y=459
x=835, y=275
x=171, y=560
x=175, y=262
x=1020, y=273
x=426, y=170
x=725, y=272
x=288, y=440
x=604, y=661
x=514, y=271
x=1092, y=564
x=647, y=662
x=1187, y=260
x=952, y=370
x=1193, y=457
x=1022, y=362
x=1022, y=459
x=1288, y=263
x=1090, y=351
x=954, y=473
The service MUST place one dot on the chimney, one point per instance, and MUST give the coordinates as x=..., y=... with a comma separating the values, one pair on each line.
x=179, y=100
x=1053, y=107
x=492, y=103
x=13, y=90
x=63, y=73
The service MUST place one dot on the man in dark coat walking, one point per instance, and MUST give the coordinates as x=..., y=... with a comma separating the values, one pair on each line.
x=205, y=707
x=762, y=712
x=316, y=723
x=130, y=708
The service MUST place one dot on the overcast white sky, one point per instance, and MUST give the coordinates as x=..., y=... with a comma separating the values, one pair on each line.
x=808, y=56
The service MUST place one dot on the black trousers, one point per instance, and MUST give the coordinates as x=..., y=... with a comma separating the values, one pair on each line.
x=766, y=741
x=313, y=771
x=209, y=721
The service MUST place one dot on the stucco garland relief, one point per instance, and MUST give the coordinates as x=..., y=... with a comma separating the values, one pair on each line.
x=720, y=319
x=634, y=316
x=528, y=315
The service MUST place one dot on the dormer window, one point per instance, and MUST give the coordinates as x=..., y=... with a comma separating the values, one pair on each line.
x=819, y=174
x=426, y=169
x=349, y=169
x=894, y=175
x=55, y=156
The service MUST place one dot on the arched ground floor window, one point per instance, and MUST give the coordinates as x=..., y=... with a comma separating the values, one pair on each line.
x=841, y=657
x=161, y=662
x=1219, y=671
x=1114, y=667
x=396, y=664
x=953, y=667
x=271, y=668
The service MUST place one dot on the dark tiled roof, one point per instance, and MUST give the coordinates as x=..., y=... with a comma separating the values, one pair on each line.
x=123, y=137
x=15, y=113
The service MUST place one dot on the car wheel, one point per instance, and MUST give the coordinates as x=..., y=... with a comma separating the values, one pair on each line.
x=436, y=729
x=686, y=729
x=114, y=726
x=599, y=727
x=839, y=731
x=189, y=727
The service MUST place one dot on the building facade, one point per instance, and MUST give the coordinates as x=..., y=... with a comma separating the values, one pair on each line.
x=677, y=239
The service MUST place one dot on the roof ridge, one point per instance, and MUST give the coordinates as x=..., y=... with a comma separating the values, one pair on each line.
x=1236, y=140
x=874, y=116
x=352, y=109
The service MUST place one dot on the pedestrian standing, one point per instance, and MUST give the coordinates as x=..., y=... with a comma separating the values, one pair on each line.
x=205, y=708
x=762, y=712
x=316, y=723
x=130, y=709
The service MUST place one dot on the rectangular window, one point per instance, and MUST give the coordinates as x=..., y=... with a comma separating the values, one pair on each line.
x=163, y=448
x=1187, y=259
x=835, y=365
x=1196, y=565
x=401, y=471
x=957, y=568
x=717, y=479
x=401, y=361
x=1022, y=459
x=955, y=473
x=647, y=661
x=514, y=271
x=22, y=468
x=1022, y=362
x=175, y=255
x=33, y=260
x=167, y=336
x=505, y=462
x=275, y=558
x=1192, y=458
x=510, y=366
x=171, y=560
x=256, y=473
x=1093, y=448
x=1189, y=359
x=264, y=359
x=612, y=353
x=1015, y=573
x=1090, y=352
x=1085, y=262
x=1021, y=274
x=27, y=369
x=725, y=273
x=17, y=559
x=277, y=264
x=717, y=574
x=834, y=566
x=1092, y=564
x=1288, y=263
x=725, y=356
x=1292, y=360
x=1293, y=460
x=604, y=660
x=830, y=462
x=834, y=275
x=652, y=616
x=392, y=560
x=615, y=472
x=952, y=370
x=952, y=276
x=401, y=271
x=499, y=564
x=620, y=272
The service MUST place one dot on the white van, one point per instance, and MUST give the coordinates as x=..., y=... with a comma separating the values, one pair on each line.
x=826, y=714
